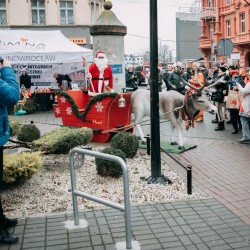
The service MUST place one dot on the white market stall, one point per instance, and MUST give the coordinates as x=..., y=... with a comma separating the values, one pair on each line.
x=30, y=46
x=44, y=53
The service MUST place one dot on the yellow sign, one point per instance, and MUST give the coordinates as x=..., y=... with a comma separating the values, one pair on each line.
x=78, y=40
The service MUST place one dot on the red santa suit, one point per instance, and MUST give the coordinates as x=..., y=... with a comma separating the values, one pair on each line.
x=100, y=80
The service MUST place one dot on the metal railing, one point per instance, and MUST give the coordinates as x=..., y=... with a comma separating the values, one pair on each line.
x=75, y=193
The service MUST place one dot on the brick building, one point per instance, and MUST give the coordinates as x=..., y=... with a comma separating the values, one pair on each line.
x=226, y=19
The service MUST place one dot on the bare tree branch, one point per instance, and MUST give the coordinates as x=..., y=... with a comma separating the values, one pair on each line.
x=20, y=143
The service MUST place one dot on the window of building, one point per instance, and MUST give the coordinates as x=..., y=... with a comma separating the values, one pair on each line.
x=3, y=19
x=228, y=28
x=228, y=2
x=209, y=3
x=66, y=12
x=242, y=23
x=211, y=30
x=38, y=11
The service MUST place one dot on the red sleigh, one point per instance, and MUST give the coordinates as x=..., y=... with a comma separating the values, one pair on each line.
x=104, y=113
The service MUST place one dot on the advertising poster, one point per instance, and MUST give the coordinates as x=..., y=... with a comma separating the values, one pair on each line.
x=42, y=74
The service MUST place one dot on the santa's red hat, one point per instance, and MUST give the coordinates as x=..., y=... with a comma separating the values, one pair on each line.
x=100, y=54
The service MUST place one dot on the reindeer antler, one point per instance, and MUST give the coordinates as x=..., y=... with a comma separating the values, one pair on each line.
x=199, y=90
x=220, y=80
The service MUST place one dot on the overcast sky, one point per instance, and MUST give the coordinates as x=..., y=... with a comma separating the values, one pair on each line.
x=135, y=15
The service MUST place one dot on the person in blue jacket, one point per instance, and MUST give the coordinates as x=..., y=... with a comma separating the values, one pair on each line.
x=9, y=96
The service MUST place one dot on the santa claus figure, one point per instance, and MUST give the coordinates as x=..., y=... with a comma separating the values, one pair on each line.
x=100, y=75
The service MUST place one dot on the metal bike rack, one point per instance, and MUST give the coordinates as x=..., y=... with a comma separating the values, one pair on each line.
x=75, y=193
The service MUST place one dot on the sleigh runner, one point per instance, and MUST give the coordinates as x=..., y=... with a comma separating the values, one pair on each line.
x=103, y=113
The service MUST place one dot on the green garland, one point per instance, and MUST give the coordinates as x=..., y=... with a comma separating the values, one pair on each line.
x=87, y=107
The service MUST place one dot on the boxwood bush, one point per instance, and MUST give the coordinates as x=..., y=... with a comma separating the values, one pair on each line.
x=126, y=142
x=110, y=168
x=28, y=133
x=60, y=141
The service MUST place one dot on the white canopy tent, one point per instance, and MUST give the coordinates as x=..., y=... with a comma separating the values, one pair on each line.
x=40, y=47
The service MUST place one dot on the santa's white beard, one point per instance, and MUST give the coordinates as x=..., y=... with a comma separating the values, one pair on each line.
x=101, y=63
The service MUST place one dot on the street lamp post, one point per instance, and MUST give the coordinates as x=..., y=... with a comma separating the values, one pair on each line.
x=156, y=176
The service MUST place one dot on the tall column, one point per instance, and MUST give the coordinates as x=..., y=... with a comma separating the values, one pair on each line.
x=108, y=35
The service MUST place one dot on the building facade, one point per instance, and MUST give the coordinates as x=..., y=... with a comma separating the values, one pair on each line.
x=187, y=36
x=230, y=20
x=72, y=17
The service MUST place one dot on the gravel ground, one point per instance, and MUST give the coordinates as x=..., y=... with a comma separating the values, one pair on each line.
x=48, y=191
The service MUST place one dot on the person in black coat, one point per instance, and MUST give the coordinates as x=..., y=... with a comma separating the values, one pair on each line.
x=218, y=96
x=187, y=74
x=25, y=79
x=165, y=76
x=204, y=71
x=234, y=113
x=60, y=78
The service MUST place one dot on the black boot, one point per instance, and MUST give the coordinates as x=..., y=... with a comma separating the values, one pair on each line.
x=6, y=237
x=220, y=126
x=7, y=223
x=216, y=119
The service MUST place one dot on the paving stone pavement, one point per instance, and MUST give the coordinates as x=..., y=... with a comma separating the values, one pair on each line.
x=220, y=168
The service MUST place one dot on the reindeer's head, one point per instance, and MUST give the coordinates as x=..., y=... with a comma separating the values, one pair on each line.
x=202, y=103
x=194, y=101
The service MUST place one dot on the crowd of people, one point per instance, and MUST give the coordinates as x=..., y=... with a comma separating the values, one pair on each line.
x=219, y=81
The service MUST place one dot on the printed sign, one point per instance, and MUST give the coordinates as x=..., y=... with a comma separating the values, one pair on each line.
x=116, y=68
x=42, y=74
x=78, y=40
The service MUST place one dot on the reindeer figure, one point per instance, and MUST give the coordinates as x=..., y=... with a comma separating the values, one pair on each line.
x=172, y=106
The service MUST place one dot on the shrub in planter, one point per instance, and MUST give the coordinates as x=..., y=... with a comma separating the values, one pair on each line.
x=61, y=141
x=28, y=133
x=110, y=168
x=126, y=142
x=15, y=125
x=20, y=166
x=29, y=106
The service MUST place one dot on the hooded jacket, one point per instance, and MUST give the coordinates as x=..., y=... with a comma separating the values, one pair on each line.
x=9, y=96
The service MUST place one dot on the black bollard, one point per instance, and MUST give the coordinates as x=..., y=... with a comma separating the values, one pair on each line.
x=148, y=144
x=189, y=179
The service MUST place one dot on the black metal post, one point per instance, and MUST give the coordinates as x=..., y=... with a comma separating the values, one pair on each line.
x=156, y=176
x=189, y=179
x=148, y=144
